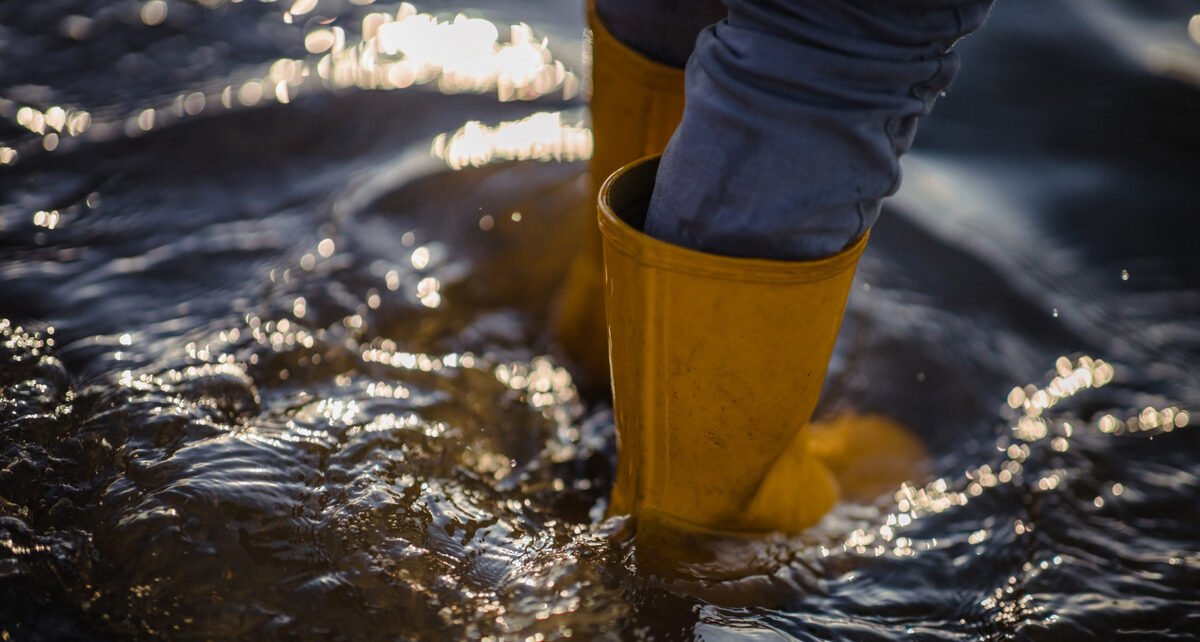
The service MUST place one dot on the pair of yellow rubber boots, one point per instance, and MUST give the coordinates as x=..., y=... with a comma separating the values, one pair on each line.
x=716, y=362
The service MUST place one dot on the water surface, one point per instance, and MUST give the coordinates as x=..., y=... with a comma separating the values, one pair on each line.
x=274, y=361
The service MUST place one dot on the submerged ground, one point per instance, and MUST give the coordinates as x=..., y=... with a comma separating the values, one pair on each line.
x=274, y=360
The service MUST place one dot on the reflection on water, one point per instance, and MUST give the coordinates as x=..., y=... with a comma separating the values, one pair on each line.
x=50, y=125
x=542, y=136
x=273, y=361
x=1031, y=427
x=461, y=55
x=391, y=50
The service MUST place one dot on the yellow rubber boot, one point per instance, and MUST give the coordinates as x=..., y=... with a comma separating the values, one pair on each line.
x=636, y=105
x=869, y=455
x=717, y=364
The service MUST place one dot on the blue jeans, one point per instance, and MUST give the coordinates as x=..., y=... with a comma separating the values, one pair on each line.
x=797, y=114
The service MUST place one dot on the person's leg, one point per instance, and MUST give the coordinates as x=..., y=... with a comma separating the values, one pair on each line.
x=638, y=51
x=662, y=30
x=797, y=112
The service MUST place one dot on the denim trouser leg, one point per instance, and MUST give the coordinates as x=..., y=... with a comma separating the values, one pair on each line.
x=797, y=114
x=662, y=30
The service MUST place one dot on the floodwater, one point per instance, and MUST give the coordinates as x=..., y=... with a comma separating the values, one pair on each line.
x=274, y=361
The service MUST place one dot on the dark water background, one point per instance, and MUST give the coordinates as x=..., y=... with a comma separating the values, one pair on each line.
x=271, y=370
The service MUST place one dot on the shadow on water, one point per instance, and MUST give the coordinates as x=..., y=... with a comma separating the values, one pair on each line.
x=271, y=368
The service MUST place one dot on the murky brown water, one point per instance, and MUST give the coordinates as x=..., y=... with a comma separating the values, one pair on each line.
x=274, y=361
